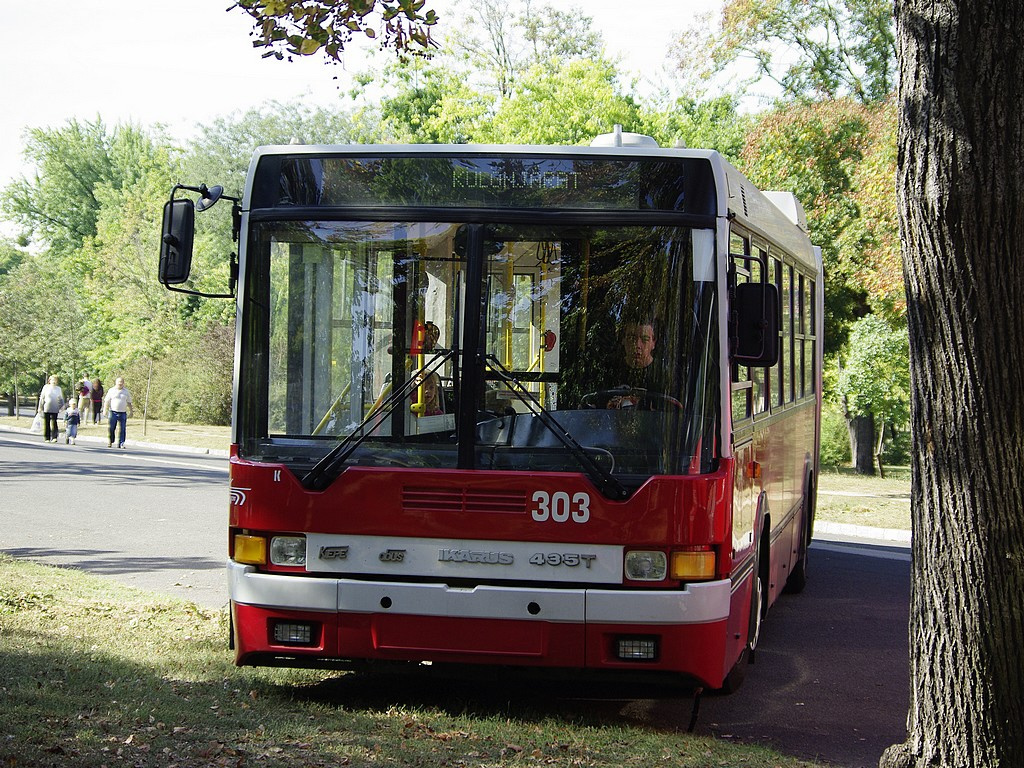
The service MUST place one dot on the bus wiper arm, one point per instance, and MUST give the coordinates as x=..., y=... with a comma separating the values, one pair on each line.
x=609, y=486
x=318, y=477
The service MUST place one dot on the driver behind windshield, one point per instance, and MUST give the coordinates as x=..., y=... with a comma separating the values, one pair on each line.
x=640, y=370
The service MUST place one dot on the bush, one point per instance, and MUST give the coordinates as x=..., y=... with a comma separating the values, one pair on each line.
x=196, y=383
x=835, y=438
x=193, y=385
x=897, y=446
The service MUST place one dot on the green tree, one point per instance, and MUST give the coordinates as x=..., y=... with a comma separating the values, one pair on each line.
x=835, y=156
x=20, y=352
x=826, y=49
x=58, y=206
x=424, y=102
x=223, y=147
x=498, y=42
x=10, y=257
x=559, y=35
x=566, y=104
x=874, y=382
x=135, y=317
x=813, y=151
x=873, y=236
x=193, y=385
x=42, y=321
x=713, y=123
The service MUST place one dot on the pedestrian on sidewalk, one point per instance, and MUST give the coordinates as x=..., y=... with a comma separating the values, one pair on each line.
x=84, y=398
x=118, y=404
x=96, y=393
x=51, y=400
x=72, y=418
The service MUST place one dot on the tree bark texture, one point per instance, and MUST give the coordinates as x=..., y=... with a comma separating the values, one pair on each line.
x=961, y=193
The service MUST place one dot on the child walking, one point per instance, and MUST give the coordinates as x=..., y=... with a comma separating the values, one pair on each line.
x=72, y=418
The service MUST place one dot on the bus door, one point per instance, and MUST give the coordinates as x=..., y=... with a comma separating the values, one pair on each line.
x=522, y=333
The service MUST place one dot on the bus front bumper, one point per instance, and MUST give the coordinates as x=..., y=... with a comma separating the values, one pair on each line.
x=308, y=621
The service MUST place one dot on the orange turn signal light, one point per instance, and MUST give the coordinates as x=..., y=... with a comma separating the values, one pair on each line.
x=250, y=550
x=693, y=566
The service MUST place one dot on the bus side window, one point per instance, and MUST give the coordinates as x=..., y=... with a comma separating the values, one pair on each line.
x=742, y=388
x=749, y=389
x=809, y=344
x=800, y=330
x=759, y=391
x=778, y=375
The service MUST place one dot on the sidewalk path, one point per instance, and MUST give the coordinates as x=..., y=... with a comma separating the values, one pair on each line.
x=86, y=438
x=841, y=531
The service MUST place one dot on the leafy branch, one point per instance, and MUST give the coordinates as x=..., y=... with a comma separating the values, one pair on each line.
x=306, y=27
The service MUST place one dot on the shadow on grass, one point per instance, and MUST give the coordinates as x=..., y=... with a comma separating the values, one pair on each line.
x=114, y=562
x=77, y=707
x=496, y=693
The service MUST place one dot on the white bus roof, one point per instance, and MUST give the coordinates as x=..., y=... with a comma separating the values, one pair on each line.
x=776, y=216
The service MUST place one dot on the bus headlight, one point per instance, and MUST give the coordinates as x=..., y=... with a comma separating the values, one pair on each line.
x=645, y=565
x=288, y=550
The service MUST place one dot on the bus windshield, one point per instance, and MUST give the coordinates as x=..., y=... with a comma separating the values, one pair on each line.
x=447, y=345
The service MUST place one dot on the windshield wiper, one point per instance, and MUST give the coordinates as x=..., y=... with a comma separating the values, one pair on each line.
x=319, y=476
x=609, y=486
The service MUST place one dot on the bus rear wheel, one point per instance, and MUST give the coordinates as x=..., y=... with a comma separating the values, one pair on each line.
x=798, y=576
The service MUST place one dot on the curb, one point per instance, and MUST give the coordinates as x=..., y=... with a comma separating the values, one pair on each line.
x=134, y=443
x=846, y=530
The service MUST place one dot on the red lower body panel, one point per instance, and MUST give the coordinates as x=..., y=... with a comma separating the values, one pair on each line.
x=691, y=650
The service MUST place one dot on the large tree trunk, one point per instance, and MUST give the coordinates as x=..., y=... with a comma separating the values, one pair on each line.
x=961, y=192
x=862, y=443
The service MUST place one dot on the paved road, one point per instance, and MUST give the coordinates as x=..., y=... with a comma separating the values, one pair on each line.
x=830, y=680
x=153, y=519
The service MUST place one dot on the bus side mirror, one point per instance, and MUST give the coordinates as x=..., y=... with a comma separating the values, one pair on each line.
x=176, y=241
x=756, y=309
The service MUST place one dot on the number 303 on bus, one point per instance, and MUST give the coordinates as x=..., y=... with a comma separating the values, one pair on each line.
x=560, y=508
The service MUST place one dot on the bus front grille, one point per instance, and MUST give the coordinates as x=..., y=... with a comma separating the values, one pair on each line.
x=435, y=500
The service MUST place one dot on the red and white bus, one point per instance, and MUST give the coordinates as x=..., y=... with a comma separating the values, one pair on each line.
x=551, y=407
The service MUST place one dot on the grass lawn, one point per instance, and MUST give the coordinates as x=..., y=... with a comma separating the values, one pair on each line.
x=846, y=497
x=95, y=674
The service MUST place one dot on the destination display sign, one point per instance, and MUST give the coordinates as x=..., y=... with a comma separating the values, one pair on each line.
x=514, y=181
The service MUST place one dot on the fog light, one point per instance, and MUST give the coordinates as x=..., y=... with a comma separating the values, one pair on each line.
x=637, y=648
x=646, y=566
x=288, y=550
x=293, y=633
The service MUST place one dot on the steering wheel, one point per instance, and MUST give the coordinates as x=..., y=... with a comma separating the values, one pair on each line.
x=625, y=398
x=658, y=401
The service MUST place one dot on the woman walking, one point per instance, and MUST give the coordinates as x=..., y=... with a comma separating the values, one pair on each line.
x=51, y=400
x=96, y=393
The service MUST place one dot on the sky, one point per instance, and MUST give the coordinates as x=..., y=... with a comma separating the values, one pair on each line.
x=181, y=63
